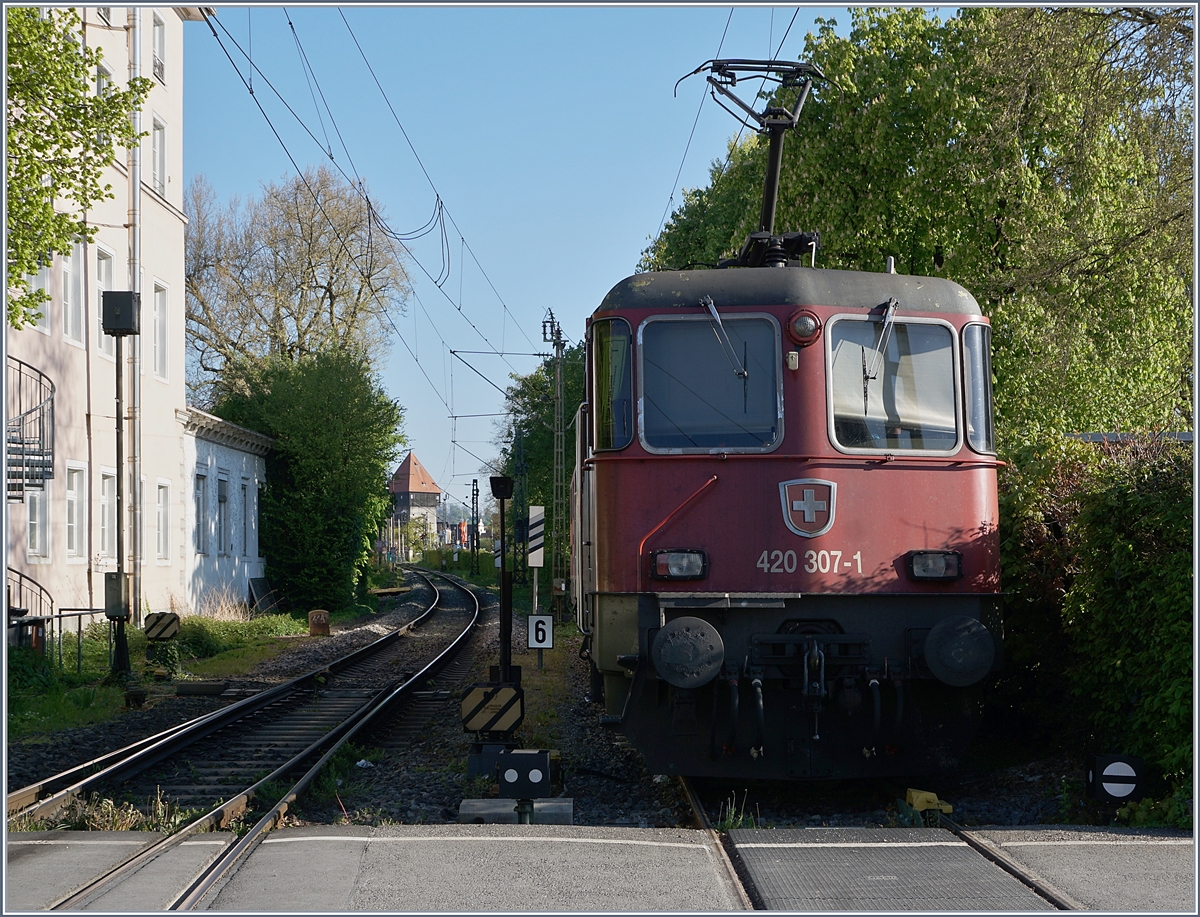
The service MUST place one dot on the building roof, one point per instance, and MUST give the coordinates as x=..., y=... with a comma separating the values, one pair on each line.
x=215, y=430
x=412, y=478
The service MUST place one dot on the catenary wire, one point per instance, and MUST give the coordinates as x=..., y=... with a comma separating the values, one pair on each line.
x=696, y=121
x=387, y=230
x=385, y=313
x=424, y=171
x=291, y=159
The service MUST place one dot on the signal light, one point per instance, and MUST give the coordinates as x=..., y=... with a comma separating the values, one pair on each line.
x=935, y=565
x=686, y=564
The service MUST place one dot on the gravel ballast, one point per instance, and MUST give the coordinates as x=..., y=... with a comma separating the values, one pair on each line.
x=422, y=778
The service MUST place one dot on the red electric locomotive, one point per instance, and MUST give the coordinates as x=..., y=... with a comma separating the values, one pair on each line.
x=785, y=553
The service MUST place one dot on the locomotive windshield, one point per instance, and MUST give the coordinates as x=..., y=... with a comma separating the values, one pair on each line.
x=902, y=399
x=691, y=401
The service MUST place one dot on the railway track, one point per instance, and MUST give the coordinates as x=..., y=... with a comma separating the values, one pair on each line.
x=227, y=761
x=743, y=877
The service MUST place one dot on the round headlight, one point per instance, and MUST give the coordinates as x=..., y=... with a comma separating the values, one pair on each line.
x=804, y=327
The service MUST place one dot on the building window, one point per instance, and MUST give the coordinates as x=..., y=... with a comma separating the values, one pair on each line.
x=158, y=157
x=38, y=536
x=105, y=14
x=108, y=515
x=223, y=546
x=160, y=50
x=41, y=281
x=76, y=512
x=201, y=497
x=104, y=275
x=245, y=517
x=160, y=331
x=164, y=521
x=72, y=294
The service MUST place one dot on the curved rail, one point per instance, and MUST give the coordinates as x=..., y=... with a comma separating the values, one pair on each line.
x=151, y=750
x=230, y=856
x=221, y=815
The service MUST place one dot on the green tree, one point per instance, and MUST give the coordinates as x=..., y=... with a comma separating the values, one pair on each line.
x=337, y=435
x=1041, y=158
x=61, y=136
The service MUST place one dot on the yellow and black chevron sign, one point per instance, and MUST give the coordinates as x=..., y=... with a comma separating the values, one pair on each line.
x=161, y=625
x=493, y=708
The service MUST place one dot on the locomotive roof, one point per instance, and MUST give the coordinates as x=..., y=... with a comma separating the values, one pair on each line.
x=788, y=286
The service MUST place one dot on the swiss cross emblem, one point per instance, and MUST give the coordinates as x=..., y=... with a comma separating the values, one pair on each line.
x=808, y=505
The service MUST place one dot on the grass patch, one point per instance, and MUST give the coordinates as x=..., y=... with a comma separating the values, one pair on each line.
x=547, y=689
x=60, y=707
x=341, y=774
x=44, y=697
x=237, y=661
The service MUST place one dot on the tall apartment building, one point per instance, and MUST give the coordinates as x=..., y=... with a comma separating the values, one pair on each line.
x=191, y=481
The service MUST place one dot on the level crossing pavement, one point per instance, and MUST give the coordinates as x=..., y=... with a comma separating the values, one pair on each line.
x=518, y=868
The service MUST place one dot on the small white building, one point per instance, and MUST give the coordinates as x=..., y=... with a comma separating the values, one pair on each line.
x=228, y=468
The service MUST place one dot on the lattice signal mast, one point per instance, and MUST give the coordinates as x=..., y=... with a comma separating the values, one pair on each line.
x=552, y=333
x=475, y=527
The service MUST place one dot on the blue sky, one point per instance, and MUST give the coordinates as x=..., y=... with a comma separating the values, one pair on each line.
x=551, y=135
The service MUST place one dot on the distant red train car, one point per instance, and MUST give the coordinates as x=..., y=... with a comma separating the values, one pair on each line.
x=785, y=552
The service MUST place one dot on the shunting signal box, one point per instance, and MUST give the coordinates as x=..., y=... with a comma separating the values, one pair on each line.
x=523, y=773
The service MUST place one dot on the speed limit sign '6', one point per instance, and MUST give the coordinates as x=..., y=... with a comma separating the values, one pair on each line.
x=541, y=632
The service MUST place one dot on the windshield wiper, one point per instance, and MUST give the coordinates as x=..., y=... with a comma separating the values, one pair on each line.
x=738, y=369
x=889, y=319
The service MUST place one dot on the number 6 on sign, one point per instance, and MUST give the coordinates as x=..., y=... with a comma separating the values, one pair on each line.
x=541, y=632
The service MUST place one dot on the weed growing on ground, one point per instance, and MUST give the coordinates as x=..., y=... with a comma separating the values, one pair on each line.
x=730, y=816
x=102, y=814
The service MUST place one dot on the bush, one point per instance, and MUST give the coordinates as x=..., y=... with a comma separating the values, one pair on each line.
x=336, y=437
x=1173, y=811
x=1128, y=612
x=29, y=671
x=1096, y=555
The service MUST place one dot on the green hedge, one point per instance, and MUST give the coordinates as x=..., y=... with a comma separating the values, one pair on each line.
x=1128, y=613
x=1096, y=554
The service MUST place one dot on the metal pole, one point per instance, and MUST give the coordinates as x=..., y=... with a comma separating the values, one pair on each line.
x=120, y=458
x=135, y=270
x=505, y=606
x=119, y=660
x=766, y=221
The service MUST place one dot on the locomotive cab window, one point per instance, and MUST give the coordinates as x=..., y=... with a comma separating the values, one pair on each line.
x=977, y=358
x=710, y=388
x=892, y=385
x=612, y=364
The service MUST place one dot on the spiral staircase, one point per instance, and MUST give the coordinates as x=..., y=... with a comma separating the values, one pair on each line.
x=29, y=431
